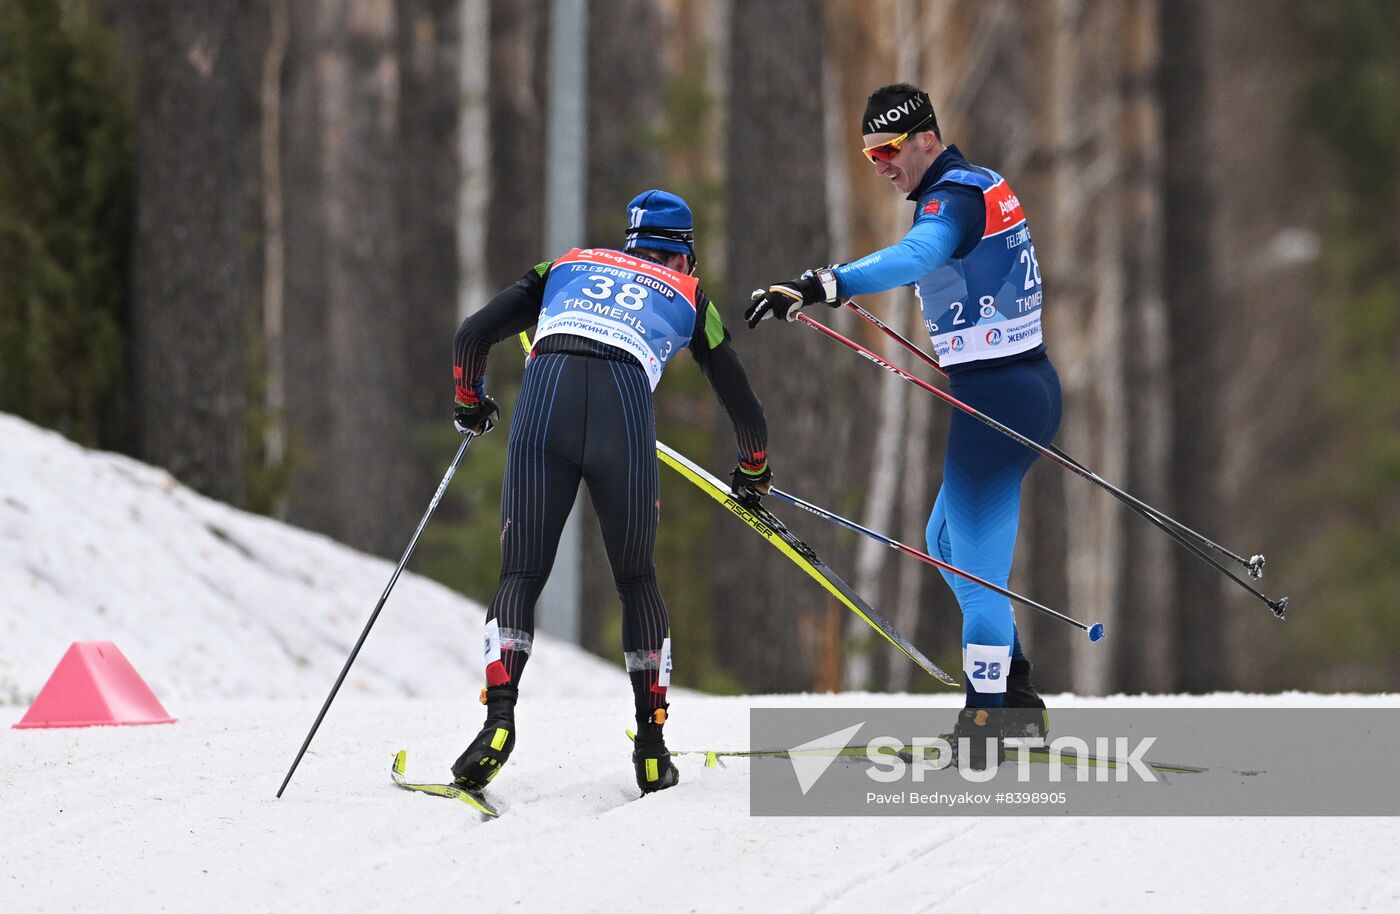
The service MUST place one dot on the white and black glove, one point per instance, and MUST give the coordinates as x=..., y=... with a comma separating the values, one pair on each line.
x=749, y=483
x=785, y=299
x=477, y=418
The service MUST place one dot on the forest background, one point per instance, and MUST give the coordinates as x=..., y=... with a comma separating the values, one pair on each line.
x=236, y=239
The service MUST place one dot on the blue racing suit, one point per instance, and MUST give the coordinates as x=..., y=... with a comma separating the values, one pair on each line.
x=970, y=259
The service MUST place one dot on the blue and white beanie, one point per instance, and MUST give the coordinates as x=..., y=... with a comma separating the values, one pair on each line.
x=660, y=221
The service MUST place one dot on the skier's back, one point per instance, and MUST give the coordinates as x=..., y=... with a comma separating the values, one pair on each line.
x=609, y=322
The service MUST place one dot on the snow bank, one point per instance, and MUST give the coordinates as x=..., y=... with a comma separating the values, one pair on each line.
x=213, y=603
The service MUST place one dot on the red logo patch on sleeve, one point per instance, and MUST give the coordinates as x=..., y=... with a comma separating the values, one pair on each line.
x=932, y=207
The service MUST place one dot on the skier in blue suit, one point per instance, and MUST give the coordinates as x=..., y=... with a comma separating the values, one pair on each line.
x=970, y=259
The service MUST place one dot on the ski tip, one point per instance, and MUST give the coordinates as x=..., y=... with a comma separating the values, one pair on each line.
x=400, y=760
x=630, y=735
x=711, y=760
x=1096, y=632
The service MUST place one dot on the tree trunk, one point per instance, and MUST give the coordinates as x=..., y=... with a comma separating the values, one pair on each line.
x=1190, y=291
x=190, y=287
x=1270, y=315
x=1144, y=655
x=864, y=216
x=310, y=403
x=626, y=132
x=348, y=359
x=899, y=472
x=516, y=240
x=914, y=614
x=429, y=178
x=769, y=616
x=473, y=155
x=274, y=250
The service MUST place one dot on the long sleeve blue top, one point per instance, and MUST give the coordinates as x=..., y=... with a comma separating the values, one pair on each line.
x=948, y=221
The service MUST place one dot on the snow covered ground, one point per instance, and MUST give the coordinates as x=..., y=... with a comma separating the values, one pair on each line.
x=240, y=625
x=183, y=818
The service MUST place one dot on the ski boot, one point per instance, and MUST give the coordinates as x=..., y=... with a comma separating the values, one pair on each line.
x=650, y=757
x=1025, y=714
x=977, y=725
x=492, y=747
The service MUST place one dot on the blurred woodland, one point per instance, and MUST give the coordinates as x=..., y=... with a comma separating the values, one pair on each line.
x=236, y=239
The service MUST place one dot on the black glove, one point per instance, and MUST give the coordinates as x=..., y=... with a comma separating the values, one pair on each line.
x=479, y=418
x=785, y=299
x=749, y=485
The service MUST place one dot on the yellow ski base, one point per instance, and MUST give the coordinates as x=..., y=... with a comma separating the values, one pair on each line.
x=472, y=798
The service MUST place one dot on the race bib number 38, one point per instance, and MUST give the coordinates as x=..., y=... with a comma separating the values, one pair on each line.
x=638, y=306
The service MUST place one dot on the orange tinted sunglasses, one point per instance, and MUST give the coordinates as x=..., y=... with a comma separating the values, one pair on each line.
x=883, y=152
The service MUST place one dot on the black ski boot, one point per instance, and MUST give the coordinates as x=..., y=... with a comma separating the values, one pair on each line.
x=489, y=751
x=649, y=754
x=1025, y=710
x=977, y=725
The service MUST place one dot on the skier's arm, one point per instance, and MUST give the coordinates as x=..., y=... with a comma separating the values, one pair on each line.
x=513, y=309
x=720, y=365
x=946, y=220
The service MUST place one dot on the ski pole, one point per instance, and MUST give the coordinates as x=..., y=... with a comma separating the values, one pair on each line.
x=1168, y=525
x=1277, y=607
x=355, y=651
x=1094, y=631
